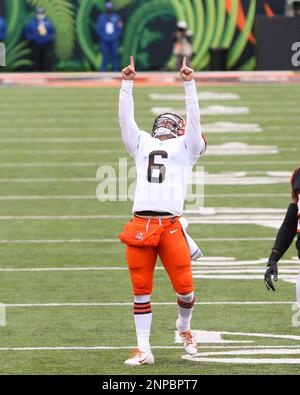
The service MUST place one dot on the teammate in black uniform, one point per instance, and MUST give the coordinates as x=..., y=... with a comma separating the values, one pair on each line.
x=286, y=235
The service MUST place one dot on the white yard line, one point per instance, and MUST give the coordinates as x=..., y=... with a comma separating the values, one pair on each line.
x=213, y=264
x=217, y=265
x=246, y=163
x=209, y=128
x=226, y=273
x=247, y=361
x=126, y=304
x=233, y=239
x=274, y=223
x=263, y=221
x=249, y=347
x=197, y=178
x=66, y=269
x=93, y=197
x=58, y=217
x=116, y=348
x=48, y=197
x=266, y=217
x=79, y=348
x=49, y=241
x=228, y=270
x=210, y=215
x=50, y=165
x=261, y=335
x=201, y=270
x=78, y=241
x=62, y=151
x=235, y=210
x=201, y=96
x=240, y=149
x=231, y=127
x=44, y=180
x=239, y=277
x=245, y=195
x=60, y=129
x=97, y=164
x=45, y=140
x=283, y=350
x=218, y=219
x=205, y=111
x=226, y=149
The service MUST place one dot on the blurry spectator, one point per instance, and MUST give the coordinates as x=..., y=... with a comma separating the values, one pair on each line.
x=109, y=29
x=2, y=29
x=292, y=8
x=183, y=45
x=296, y=7
x=40, y=32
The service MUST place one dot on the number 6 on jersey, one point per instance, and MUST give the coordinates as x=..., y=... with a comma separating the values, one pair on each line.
x=157, y=171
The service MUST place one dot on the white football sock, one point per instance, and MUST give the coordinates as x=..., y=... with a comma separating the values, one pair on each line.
x=185, y=311
x=298, y=291
x=143, y=319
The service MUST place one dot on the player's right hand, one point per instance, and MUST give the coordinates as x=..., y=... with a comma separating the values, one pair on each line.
x=129, y=73
x=272, y=270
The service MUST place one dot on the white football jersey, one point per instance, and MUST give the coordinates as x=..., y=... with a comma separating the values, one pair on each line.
x=163, y=172
x=164, y=168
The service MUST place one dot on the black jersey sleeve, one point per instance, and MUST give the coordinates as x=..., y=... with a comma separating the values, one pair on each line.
x=295, y=182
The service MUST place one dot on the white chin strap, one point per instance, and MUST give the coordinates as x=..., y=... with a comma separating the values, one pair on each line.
x=164, y=132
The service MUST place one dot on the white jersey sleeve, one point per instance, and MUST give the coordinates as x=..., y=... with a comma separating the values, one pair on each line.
x=129, y=128
x=194, y=141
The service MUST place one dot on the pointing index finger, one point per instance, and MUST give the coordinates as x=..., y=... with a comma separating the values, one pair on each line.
x=132, y=61
x=184, y=63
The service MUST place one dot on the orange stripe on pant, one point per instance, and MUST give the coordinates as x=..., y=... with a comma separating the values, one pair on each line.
x=174, y=254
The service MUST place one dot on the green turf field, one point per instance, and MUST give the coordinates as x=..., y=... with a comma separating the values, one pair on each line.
x=64, y=321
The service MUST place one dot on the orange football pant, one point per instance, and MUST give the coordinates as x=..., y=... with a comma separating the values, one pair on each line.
x=174, y=254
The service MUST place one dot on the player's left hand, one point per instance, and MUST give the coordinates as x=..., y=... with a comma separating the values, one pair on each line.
x=186, y=73
x=272, y=270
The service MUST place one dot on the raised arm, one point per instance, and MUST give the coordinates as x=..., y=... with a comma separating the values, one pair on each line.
x=129, y=128
x=194, y=140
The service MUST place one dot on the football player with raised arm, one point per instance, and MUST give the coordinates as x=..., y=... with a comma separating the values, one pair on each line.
x=286, y=235
x=164, y=162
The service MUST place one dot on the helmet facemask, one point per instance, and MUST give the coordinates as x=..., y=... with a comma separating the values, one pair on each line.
x=167, y=124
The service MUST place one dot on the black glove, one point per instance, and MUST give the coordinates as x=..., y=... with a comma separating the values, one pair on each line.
x=272, y=270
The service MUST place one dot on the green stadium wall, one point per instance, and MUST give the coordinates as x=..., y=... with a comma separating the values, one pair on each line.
x=148, y=29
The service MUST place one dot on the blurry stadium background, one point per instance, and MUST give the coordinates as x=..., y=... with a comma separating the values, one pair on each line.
x=64, y=280
x=148, y=27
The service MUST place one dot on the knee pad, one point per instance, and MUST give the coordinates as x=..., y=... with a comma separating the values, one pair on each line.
x=187, y=298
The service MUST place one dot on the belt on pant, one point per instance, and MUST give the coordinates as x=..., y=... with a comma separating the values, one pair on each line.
x=154, y=215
